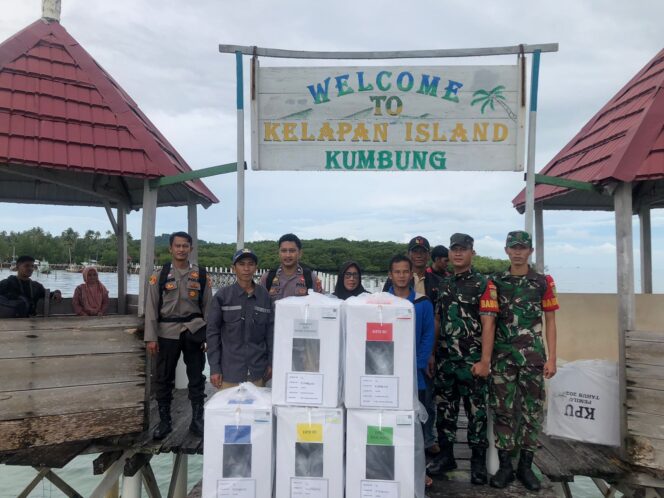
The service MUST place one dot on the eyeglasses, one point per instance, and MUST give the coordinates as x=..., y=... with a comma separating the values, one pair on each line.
x=351, y=274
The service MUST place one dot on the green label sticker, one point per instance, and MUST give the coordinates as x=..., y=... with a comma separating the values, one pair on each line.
x=382, y=436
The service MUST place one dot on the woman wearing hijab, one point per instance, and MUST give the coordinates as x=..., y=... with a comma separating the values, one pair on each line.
x=349, y=281
x=91, y=297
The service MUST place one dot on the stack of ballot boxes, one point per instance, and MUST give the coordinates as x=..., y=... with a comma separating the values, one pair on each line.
x=380, y=397
x=307, y=394
x=238, y=443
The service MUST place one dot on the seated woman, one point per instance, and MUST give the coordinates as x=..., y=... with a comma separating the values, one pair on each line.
x=91, y=297
x=349, y=281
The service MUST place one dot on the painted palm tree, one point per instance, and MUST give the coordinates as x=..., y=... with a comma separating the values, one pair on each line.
x=489, y=98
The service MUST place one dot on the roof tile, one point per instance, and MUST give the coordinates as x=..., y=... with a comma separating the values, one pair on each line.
x=620, y=142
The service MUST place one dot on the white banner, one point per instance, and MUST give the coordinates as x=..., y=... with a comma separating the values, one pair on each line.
x=378, y=118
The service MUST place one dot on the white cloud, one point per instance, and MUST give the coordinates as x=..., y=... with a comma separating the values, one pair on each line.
x=165, y=56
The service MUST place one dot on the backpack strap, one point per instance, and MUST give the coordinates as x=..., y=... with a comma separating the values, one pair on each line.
x=163, y=275
x=308, y=280
x=202, y=281
x=270, y=277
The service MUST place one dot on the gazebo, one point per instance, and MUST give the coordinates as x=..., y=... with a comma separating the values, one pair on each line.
x=616, y=162
x=70, y=135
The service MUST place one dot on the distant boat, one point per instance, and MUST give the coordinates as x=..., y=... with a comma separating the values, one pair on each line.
x=43, y=266
x=85, y=264
x=12, y=265
x=74, y=268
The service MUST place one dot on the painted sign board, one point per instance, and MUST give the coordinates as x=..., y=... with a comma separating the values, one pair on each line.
x=384, y=118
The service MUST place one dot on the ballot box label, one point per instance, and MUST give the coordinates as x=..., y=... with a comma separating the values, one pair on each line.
x=236, y=488
x=308, y=488
x=304, y=388
x=379, y=391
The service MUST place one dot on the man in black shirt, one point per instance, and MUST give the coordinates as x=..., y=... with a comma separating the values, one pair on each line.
x=19, y=294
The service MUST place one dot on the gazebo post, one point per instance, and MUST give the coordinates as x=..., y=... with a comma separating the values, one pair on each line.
x=539, y=237
x=147, y=242
x=122, y=260
x=622, y=199
x=646, y=249
x=192, y=229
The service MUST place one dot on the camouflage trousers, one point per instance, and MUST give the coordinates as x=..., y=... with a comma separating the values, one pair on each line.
x=512, y=384
x=454, y=383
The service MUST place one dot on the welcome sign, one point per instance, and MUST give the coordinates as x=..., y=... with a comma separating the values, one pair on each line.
x=378, y=118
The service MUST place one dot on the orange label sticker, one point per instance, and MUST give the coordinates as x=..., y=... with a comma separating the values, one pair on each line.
x=193, y=294
x=153, y=279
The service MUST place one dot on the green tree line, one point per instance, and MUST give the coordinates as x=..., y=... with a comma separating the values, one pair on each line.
x=320, y=254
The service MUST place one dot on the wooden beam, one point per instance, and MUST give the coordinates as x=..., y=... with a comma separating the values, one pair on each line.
x=192, y=229
x=179, y=465
x=197, y=174
x=54, y=429
x=75, y=399
x=111, y=476
x=147, y=242
x=122, y=260
x=40, y=475
x=150, y=482
x=111, y=218
x=68, y=181
x=565, y=182
x=645, y=232
x=66, y=371
x=622, y=198
x=539, y=237
x=136, y=463
x=62, y=485
x=402, y=54
x=103, y=462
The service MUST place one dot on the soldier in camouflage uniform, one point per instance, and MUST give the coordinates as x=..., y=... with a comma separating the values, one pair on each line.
x=468, y=306
x=520, y=363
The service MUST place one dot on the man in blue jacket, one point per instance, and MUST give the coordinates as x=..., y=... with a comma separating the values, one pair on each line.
x=401, y=273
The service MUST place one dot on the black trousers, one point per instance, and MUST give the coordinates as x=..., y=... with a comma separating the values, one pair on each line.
x=167, y=360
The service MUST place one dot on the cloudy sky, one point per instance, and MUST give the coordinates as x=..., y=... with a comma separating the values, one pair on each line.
x=164, y=54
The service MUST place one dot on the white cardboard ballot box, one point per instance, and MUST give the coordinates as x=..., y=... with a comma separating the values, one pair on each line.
x=383, y=458
x=306, y=365
x=380, y=352
x=310, y=452
x=238, y=443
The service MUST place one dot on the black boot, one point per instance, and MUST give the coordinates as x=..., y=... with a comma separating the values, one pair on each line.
x=165, y=422
x=478, y=466
x=505, y=474
x=443, y=461
x=196, y=425
x=524, y=471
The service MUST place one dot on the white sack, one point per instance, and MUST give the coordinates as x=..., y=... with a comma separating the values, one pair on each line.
x=583, y=402
x=238, y=443
x=306, y=364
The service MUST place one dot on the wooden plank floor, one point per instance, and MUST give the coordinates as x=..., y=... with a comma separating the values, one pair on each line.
x=457, y=482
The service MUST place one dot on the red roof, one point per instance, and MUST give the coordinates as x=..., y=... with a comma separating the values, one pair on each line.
x=624, y=141
x=60, y=109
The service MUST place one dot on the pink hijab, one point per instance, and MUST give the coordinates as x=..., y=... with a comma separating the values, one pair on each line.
x=92, y=295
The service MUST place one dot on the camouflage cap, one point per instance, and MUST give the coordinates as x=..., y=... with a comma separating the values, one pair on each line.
x=519, y=238
x=461, y=239
x=418, y=241
x=244, y=253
